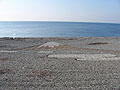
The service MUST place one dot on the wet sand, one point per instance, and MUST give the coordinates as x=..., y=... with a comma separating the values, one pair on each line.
x=86, y=63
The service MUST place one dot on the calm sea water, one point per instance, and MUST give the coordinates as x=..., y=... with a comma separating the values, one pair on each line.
x=58, y=29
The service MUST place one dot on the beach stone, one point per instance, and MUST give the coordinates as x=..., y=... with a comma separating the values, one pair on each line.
x=82, y=56
x=8, y=51
x=50, y=45
x=46, y=52
x=100, y=59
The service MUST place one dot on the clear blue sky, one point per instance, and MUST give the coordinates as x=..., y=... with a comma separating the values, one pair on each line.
x=60, y=10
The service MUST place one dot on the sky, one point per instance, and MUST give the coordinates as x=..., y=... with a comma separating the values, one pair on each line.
x=60, y=10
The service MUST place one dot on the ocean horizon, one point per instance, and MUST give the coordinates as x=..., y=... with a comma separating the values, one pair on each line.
x=58, y=29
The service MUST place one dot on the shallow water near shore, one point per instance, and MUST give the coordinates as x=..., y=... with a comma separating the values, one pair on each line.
x=58, y=29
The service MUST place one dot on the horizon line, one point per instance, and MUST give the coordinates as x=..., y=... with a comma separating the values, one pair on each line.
x=58, y=21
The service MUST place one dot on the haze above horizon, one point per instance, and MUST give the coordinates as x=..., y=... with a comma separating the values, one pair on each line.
x=60, y=10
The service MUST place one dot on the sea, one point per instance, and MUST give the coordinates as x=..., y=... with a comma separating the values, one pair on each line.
x=58, y=29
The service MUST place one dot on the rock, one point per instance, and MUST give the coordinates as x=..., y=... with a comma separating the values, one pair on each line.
x=50, y=45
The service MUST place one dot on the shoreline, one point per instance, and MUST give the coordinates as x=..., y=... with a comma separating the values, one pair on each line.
x=59, y=38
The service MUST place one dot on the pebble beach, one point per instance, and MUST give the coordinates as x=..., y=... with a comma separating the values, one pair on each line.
x=86, y=63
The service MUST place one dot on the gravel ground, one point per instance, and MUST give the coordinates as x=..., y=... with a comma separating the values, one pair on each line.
x=25, y=65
